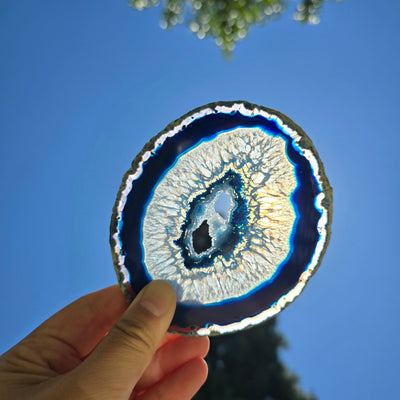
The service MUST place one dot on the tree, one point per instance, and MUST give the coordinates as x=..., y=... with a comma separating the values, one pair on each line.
x=246, y=366
x=227, y=21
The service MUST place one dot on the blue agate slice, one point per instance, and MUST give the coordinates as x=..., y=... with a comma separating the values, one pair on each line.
x=229, y=204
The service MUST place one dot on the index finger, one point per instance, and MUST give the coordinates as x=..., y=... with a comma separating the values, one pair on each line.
x=83, y=323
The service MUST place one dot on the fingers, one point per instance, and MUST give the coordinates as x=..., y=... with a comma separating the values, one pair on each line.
x=169, y=337
x=181, y=385
x=60, y=343
x=82, y=324
x=171, y=356
x=115, y=366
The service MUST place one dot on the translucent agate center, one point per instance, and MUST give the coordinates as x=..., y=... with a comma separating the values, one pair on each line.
x=219, y=221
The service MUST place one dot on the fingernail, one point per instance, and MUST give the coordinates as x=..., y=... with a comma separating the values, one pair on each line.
x=157, y=298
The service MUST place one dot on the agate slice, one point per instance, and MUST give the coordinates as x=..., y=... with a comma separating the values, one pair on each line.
x=230, y=205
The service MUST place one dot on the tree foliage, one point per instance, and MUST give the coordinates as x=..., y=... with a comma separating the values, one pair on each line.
x=246, y=366
x=227, y=21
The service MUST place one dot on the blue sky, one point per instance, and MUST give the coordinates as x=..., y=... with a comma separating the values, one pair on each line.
x=84, y=86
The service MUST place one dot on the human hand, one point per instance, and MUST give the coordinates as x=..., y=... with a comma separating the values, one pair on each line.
x=99, y=348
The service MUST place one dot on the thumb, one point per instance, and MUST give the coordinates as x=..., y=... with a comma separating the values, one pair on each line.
x=118, y=362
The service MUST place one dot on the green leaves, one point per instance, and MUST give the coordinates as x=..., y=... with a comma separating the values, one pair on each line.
x=227, y=21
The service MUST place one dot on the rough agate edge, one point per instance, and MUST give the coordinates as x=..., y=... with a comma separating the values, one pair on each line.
x=233, y=262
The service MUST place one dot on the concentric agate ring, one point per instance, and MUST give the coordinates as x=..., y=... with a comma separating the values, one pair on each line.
x=230, y=205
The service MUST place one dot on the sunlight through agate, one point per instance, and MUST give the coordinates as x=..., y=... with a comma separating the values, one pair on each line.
x=230, y=205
